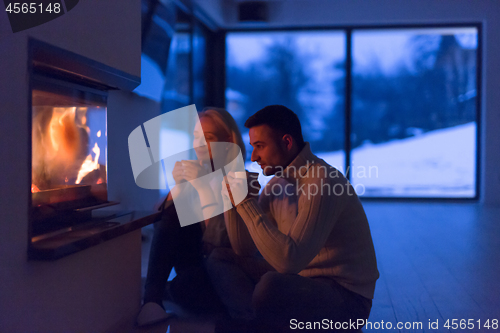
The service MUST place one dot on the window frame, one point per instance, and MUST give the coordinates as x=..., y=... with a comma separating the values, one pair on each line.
x=348, y=31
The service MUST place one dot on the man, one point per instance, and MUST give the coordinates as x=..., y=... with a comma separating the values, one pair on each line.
x=319, y=268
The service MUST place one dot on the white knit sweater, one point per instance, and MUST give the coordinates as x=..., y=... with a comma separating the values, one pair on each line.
x=308, y=221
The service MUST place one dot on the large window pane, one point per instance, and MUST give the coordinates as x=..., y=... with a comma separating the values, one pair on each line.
x=199, y=65
x=414, y=112
x=176, y=93
x=304, y=71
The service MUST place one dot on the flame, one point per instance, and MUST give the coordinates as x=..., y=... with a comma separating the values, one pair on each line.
x=63, y=132
x=89, y=164
x=60, y=138
x=56, y=140
x=34, y=188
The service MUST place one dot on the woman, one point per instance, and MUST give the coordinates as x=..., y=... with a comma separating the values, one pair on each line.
x=184, y=248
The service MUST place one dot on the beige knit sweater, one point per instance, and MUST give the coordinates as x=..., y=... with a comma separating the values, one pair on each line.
x=308, y=221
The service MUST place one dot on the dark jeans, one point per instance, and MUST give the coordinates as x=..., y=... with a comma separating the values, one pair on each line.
x=275, y=302
x=179, y=247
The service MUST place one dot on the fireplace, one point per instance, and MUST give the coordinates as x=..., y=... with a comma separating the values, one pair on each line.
x=69, y=145
x=69, y=150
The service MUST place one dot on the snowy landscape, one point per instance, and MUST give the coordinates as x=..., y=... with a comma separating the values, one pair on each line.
x=440, y=163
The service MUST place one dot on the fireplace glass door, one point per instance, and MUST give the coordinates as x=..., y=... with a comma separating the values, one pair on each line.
x=69, y=143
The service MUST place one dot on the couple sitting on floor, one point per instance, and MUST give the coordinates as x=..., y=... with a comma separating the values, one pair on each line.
x=299, y=253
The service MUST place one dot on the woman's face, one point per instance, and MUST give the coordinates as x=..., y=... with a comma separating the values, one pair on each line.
x=205, y=132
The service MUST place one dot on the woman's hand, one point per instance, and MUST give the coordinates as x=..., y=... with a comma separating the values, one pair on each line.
x=178, y=173
x=192, y=171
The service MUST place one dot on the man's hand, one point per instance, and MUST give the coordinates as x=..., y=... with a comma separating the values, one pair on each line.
x=238, y=186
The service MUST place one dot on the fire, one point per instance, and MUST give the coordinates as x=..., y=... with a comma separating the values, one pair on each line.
x=64, y=134
x=34, y=188
x=57, y=144
x=60, y=143
x=89, y=164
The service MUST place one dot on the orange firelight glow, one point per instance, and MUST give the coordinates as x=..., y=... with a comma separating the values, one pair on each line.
x=60, y=138
x=34, y=188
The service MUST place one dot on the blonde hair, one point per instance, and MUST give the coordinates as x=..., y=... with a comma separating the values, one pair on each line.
x=225, y=122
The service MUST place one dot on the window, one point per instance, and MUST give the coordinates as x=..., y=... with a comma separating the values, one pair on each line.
x=304, y=71
x=414, y=112
x=173, y=68
x=413, y=108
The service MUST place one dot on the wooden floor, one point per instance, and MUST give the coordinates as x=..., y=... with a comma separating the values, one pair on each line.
x=437, y=261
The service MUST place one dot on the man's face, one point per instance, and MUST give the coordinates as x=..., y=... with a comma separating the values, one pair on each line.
x=268, y=150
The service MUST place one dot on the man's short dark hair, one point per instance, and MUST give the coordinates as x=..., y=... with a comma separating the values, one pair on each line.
x=279, y=118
